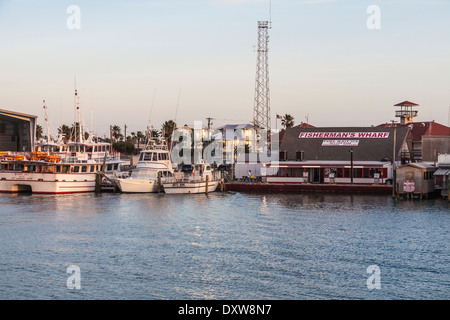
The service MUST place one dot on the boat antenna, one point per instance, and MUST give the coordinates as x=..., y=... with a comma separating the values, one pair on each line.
x=150, y=120
x=151, y=109
x=178, y=102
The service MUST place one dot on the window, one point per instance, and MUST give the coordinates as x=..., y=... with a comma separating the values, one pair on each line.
x=147, y=156
x=347, y=172
x=282, y=172
x=76, y=169
x=340, y=173
x=366, y=173
x=109, y=168
x=116, y=166
x=92, y=169
x=428, y=175
x=83, y=169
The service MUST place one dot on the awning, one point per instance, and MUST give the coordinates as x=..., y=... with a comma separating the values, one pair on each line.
x=442, y=172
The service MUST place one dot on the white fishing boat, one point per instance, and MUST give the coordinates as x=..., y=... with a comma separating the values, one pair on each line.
x=42, y=172
x=199, y=178
x=154, y=160
x=58, y=167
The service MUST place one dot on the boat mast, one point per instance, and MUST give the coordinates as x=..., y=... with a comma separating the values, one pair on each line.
x=46, y=121
x=80, y=126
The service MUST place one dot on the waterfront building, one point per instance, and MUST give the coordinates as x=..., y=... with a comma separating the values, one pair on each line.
x=443, y=174
x=428, y=138
x=339, y=155
x=415, y=179
x=17, y=131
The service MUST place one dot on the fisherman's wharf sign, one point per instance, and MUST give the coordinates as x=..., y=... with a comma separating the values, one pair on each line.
x=323, y=135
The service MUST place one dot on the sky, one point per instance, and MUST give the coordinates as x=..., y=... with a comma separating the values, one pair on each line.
x=143, y=62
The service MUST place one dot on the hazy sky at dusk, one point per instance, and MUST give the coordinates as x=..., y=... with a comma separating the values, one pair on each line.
x=324, y=61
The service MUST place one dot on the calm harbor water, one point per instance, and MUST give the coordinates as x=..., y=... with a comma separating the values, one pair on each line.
x=223, y=246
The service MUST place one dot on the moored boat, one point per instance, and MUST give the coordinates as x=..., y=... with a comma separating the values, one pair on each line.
x=154, y=162
x=51, y=173
x=199, y=178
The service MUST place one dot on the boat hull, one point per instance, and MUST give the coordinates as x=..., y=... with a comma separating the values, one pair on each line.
x=46, y=183
x=189, y=187
x=137, y=185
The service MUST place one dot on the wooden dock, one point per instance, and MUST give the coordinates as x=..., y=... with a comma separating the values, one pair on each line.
x=297, y=188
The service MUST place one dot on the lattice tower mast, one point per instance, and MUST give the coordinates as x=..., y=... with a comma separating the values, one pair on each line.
x=261, y=111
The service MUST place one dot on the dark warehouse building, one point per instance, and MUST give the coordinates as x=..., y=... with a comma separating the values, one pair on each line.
x=17, y=131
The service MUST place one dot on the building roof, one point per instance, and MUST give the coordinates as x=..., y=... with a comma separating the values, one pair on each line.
x=17, y=115
x=419, y=129
x=442, y=172
x=305, y=125
x=420, y=165
x=406, y=104
x=367, y=149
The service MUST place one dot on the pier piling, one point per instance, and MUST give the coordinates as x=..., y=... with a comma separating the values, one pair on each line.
x=159, y=182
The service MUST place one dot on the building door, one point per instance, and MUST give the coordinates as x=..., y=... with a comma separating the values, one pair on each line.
x=317, y=175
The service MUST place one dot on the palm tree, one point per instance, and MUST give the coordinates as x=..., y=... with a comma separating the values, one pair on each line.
x=116, y=132
x=287, y=121
x=140, y=136
x=167, y=129
x=64, y=130
x=154, y=133
x=38, y=131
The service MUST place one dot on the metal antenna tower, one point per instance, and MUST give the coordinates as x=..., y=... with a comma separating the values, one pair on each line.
x=261, y=111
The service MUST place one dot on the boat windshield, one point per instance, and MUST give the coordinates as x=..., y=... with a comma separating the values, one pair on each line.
x=149, y=156
x=144, y=174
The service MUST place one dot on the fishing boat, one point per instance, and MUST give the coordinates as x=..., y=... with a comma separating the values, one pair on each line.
x=40, y=172
x=154, y=163
x=58, y=167
x=198, y=178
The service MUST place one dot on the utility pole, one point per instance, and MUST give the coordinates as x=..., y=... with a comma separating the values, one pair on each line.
x=351, y=166
x=394, y=170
